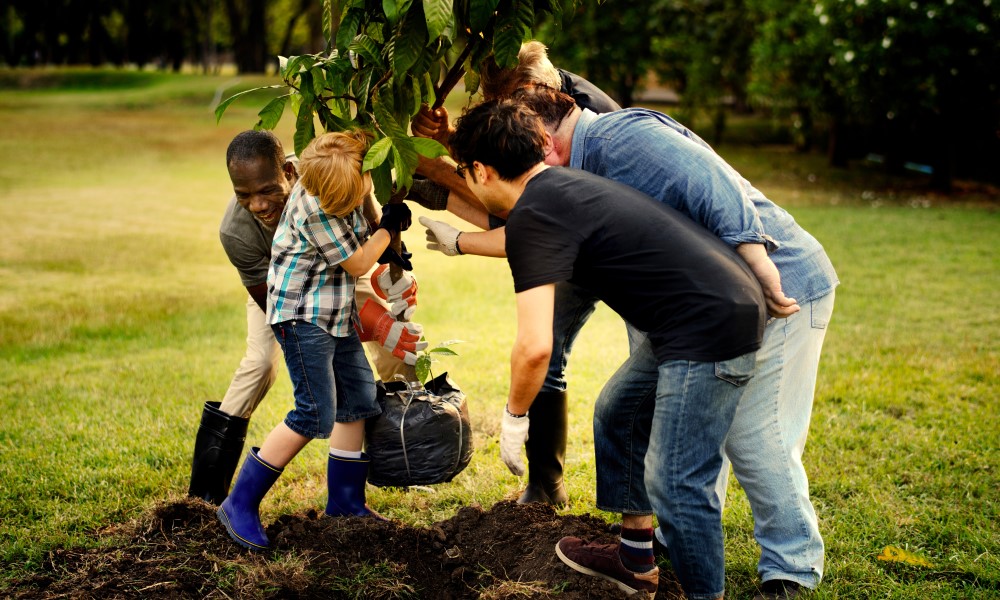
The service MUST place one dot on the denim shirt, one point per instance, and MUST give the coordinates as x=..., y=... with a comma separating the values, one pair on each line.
x=655, y=154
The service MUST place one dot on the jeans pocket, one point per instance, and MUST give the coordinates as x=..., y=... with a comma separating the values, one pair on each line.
x=819, y=314
x=737, y=371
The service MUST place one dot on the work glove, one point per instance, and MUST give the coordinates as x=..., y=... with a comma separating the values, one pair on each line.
x=395, y=218
x=401, y=296
x=428, y=194
x=401, y=339
x=441, y=236
x=513, y=434
x=391, y=256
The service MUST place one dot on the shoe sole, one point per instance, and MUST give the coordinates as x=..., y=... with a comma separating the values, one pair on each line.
x=582, y=569
x=235, y=536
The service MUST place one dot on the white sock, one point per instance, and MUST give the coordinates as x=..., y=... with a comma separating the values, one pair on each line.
x=345, y=453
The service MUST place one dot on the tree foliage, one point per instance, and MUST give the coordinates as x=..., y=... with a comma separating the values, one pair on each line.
x=384, y=58
x=905, y=72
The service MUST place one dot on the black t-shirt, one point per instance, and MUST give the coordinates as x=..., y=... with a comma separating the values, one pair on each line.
x=586, y=94
x=658, y=269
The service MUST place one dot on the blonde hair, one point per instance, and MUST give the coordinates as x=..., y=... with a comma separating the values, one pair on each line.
x=533, y=68
x=330, y=169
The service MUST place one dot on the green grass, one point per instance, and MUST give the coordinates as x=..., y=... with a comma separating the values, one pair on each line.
x=120, y=316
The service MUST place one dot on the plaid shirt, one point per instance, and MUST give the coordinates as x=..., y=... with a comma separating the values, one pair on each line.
x=304, y=280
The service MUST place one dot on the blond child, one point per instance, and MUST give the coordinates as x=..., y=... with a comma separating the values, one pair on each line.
x=322, y=244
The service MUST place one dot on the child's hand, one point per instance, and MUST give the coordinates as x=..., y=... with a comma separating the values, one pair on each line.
x=395, y=218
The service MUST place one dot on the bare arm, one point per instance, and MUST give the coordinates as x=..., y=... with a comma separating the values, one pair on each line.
x=461, y=201
x=778, y=305
x=529, y=359
x=484, y=243
x=367, y=255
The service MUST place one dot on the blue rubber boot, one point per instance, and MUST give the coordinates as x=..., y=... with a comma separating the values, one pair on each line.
x=240, y=512
x=345, y=481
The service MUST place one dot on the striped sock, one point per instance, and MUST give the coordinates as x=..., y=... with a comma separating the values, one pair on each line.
x=636, y=550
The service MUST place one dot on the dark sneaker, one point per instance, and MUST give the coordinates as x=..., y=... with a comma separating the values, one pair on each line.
x=778, y=589
x=601, y=560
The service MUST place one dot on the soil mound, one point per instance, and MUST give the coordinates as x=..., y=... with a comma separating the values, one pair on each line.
x=179, y=550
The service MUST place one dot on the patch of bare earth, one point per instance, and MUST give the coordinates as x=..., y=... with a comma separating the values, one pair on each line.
x=179, y=550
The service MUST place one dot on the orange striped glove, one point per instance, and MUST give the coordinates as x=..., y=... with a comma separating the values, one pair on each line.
x=402, y=339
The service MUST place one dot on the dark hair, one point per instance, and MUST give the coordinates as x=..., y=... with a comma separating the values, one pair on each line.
x=500, y=134
x=551, y=105
x=255, y=145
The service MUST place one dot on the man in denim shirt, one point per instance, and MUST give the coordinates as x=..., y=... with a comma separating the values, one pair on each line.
x=651, y=152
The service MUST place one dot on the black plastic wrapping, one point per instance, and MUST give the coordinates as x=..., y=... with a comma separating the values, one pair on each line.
x=422, y=437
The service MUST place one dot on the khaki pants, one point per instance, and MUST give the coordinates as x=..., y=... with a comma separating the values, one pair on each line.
x=259, y=367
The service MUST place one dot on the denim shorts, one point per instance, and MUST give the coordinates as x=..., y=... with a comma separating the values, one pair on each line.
x=330, y=377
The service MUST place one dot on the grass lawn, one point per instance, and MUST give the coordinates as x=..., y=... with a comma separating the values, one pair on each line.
x=120, y=315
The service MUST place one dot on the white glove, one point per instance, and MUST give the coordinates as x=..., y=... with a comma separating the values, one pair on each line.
x=441, y=236
x=513, y=434
x=400, y=296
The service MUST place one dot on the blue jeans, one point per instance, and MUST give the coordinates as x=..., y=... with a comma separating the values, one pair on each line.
x=767, y=440
x=573, y=306
x=671, y=462
x=330, y=377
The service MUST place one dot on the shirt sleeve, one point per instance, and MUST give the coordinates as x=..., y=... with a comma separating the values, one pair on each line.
x=539, y=250
x=249, y=262
x=682, y=171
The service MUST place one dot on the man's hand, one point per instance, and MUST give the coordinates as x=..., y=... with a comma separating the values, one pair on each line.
x=401, y=296
x=399, y=338
x=779, y=306
x=513, y=434
x=433, y=124
x=441, y=236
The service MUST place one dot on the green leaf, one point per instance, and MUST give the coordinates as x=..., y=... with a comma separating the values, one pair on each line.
x=382, y=182
x=437, y=14
x=271, y=114
x=305, y=128
x=445, y=351
x=405, y=166
x=471, y=80
x=368, y=48
x=391, y=11
x=377, y=154
x=408, y=45
x=349, y=25
x=428, y=147
x=480, y=13
x=221, y=108
x=423, y=367
x=513, y=27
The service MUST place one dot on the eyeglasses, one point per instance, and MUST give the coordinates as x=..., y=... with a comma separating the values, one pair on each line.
x=460, y=169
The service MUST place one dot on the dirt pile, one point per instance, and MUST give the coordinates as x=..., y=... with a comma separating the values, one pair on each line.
x=181, y=551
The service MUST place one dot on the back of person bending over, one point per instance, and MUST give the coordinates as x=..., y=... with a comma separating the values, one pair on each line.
x=700, y=304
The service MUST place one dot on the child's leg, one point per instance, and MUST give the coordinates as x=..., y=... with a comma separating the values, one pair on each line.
x=282, y=444
x=347, y=467
x=347, y=438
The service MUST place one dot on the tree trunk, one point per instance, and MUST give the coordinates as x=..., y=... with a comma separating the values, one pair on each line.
x=248, y=26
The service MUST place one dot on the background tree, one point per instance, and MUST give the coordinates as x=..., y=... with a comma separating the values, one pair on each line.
x=611, y=44
x=704, y=50
x=914, y=80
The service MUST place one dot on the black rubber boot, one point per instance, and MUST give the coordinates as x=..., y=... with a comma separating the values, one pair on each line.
x=217, y=450
x=546, y=450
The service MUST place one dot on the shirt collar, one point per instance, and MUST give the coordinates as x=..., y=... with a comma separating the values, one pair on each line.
x=587, y=117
